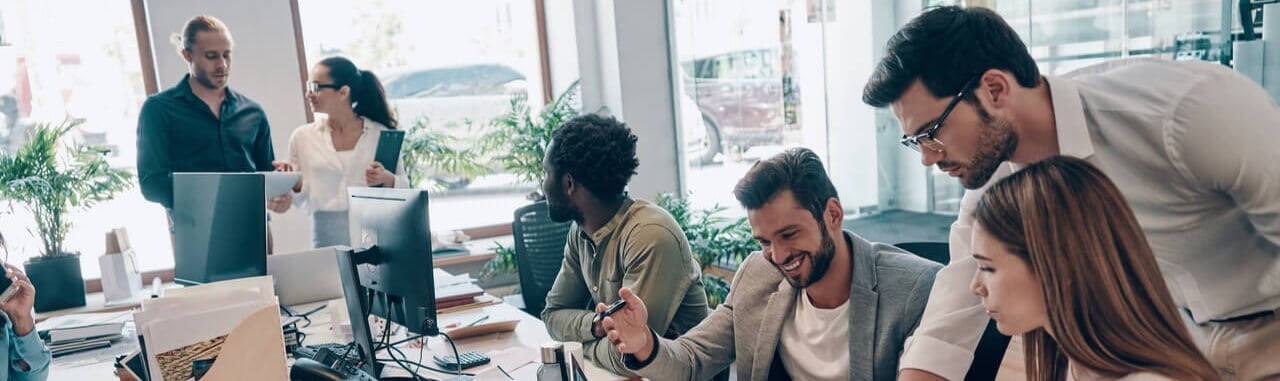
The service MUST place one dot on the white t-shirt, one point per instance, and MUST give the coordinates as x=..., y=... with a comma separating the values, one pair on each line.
x=326, y=172
x=815, y=341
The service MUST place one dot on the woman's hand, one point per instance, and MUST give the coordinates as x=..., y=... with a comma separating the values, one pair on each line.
x=376, y=174
x=18, y=307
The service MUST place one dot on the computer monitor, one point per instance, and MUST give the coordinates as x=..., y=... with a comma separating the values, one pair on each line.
x=389, y=273
x=220, y=227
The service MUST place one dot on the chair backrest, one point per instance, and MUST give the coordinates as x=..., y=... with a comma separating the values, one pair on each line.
x=991, y=347
x=539, y=253
x=934, y=251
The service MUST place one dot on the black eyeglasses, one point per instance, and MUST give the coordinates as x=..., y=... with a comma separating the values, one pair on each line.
x=926, y=138
x=314, y=86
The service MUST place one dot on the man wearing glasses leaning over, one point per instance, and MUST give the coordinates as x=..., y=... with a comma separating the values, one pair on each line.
x=1191, y=145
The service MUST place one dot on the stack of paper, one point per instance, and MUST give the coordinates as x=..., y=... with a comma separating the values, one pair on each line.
x=73, y=333
x=183, y=334
x=455, y=290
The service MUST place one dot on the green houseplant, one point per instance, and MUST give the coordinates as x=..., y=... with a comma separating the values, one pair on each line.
x=522, y=138
x=429, y=152
x=713, y=238
x=53, y=181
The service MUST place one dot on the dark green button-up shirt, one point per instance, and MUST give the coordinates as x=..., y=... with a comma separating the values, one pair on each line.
x=177, y=132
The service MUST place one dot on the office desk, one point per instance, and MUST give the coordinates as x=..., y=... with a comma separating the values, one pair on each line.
x=529, y=334
x=481, y=251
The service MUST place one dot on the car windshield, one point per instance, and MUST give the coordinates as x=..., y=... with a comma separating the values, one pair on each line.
x=452, y=81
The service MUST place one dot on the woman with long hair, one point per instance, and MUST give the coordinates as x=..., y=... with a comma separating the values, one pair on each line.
x=337, y=150
x=1063, y=262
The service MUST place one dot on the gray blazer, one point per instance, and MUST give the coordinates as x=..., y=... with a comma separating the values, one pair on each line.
x=888, y=294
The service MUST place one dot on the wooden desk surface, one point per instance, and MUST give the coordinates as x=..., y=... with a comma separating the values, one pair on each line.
x=529, y=335
x=482, y=250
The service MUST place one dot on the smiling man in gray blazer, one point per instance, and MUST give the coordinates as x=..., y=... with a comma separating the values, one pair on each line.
x=816, y=303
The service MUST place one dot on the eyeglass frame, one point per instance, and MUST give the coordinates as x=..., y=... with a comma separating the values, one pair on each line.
x=913, y=141
x=313, y=86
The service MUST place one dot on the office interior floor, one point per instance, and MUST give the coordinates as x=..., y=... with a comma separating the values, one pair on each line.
x=898, y=226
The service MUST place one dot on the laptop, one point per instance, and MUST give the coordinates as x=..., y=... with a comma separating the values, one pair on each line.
x=306, y=276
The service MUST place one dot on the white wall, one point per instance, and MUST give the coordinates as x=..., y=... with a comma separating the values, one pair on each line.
x=906, y=186
x=264, y=67
x=634, y=83
x=854, y=163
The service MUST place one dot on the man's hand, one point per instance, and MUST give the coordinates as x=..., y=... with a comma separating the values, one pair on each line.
x=597, y=329
x=376, y=174
x=18, y=307
x=281, y=203
x=284, y=166
x=628, y=328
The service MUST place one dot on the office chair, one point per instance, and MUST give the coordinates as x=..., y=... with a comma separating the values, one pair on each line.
x=990, y=351
x=938, y=252
x=539, y=253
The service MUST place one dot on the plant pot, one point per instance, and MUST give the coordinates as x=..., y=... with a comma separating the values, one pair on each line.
x=498, y=280
x=58, y=282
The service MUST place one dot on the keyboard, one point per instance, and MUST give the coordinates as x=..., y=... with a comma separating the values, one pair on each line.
x=329, y=353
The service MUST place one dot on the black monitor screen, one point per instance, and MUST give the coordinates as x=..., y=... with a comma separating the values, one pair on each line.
x=220, y=227
x=395, y=222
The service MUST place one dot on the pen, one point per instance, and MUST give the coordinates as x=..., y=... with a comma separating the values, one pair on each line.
x=482, y=318
x=504, y=372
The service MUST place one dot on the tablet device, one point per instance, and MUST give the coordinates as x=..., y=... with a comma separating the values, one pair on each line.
x=388, y=153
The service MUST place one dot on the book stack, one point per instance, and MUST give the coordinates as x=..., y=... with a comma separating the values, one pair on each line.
x=459, y=292
x=80, y=332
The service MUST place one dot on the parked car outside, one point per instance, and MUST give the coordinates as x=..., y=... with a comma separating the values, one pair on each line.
x=740, y=95
x=457, y=100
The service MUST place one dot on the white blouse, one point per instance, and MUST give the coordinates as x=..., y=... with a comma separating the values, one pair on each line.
x=326, y=172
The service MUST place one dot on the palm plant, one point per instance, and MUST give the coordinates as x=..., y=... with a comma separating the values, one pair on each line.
x=523, y=138
x=54, y=182
x=426, y=148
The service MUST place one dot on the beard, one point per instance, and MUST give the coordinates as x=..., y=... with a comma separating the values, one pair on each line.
x=820, y=261
x=205, y=78
x=559, y=210
x=996, y=142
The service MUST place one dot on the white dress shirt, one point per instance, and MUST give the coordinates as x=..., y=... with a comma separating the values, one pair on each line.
x=326, y=173
x=1195, y=150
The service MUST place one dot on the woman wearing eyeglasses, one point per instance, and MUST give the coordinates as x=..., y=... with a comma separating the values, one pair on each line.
x=337, y=150
x=1063, y=262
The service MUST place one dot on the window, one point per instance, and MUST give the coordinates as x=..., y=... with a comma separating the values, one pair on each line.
x=739, y=101
x=49, y=72
x=449, y=67
x=1064, y=35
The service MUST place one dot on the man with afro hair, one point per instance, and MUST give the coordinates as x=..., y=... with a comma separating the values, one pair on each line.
x=615, y=241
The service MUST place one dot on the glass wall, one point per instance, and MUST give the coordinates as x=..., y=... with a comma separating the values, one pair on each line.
x=1064, y=35
x=50, y=72
x=742, y=96
x=449, y=68
x=764, y=75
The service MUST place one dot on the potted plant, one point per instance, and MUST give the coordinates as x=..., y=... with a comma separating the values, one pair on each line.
x=523, y=138
x=713, y=238
x=501, y=270
x=53, y=181
x=431, y=153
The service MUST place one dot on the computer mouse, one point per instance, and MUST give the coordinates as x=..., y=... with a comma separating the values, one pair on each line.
x=305, y=369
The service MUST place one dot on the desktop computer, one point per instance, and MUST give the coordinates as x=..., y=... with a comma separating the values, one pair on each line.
x=220, y=227
x=389, y=273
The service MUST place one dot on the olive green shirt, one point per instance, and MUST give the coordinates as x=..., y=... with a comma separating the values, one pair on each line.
x=641, y=247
